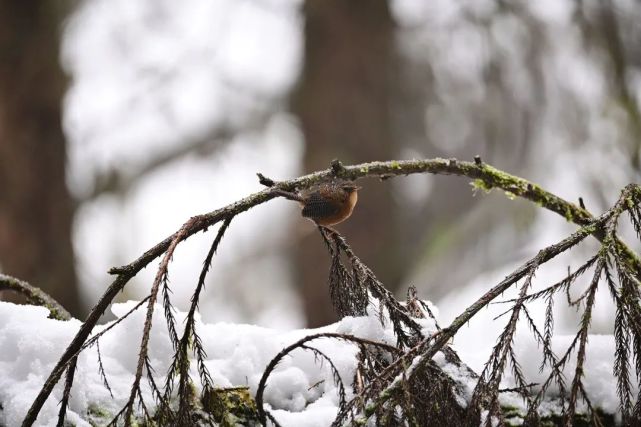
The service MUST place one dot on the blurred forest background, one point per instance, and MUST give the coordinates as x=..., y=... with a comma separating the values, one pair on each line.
x=120, y=119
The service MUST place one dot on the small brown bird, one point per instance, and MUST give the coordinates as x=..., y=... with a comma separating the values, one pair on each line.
x=326, y=204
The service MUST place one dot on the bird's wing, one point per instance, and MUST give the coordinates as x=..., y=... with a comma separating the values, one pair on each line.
x=317, y=206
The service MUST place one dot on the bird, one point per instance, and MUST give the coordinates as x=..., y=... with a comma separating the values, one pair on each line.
x=326, y=204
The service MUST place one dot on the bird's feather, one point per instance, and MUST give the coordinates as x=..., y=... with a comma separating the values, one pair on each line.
x=317, y=206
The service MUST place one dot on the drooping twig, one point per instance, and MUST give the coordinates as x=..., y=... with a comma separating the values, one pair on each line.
x=583, y=340
x=180, y=364
x=427, y=348
x=490, y=379
x=424, y=351
x=101, y=371
x=161, y=276
x=66, y=395
x=349, y=291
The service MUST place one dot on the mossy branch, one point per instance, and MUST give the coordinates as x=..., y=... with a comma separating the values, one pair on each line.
x=423, y=352
x=35, y=296
x=484, y=176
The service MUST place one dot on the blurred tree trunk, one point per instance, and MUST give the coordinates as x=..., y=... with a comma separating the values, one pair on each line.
x=344, y=105
x=35, y=206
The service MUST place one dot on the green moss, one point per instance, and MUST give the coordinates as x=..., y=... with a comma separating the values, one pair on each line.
x=512, y=415
x=629, y=202
x=97, y=416
x=231, y=406
x=494, y=178
x=501, y=178
x=479, y=184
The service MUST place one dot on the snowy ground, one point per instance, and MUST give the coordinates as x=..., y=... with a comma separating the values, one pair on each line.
x=299, y=393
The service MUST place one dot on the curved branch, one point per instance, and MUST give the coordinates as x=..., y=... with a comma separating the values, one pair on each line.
x=34, y=296
x=301, y=344
x=487, y=177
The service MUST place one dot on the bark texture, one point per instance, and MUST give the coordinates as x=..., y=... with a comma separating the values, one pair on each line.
x=35, y=206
